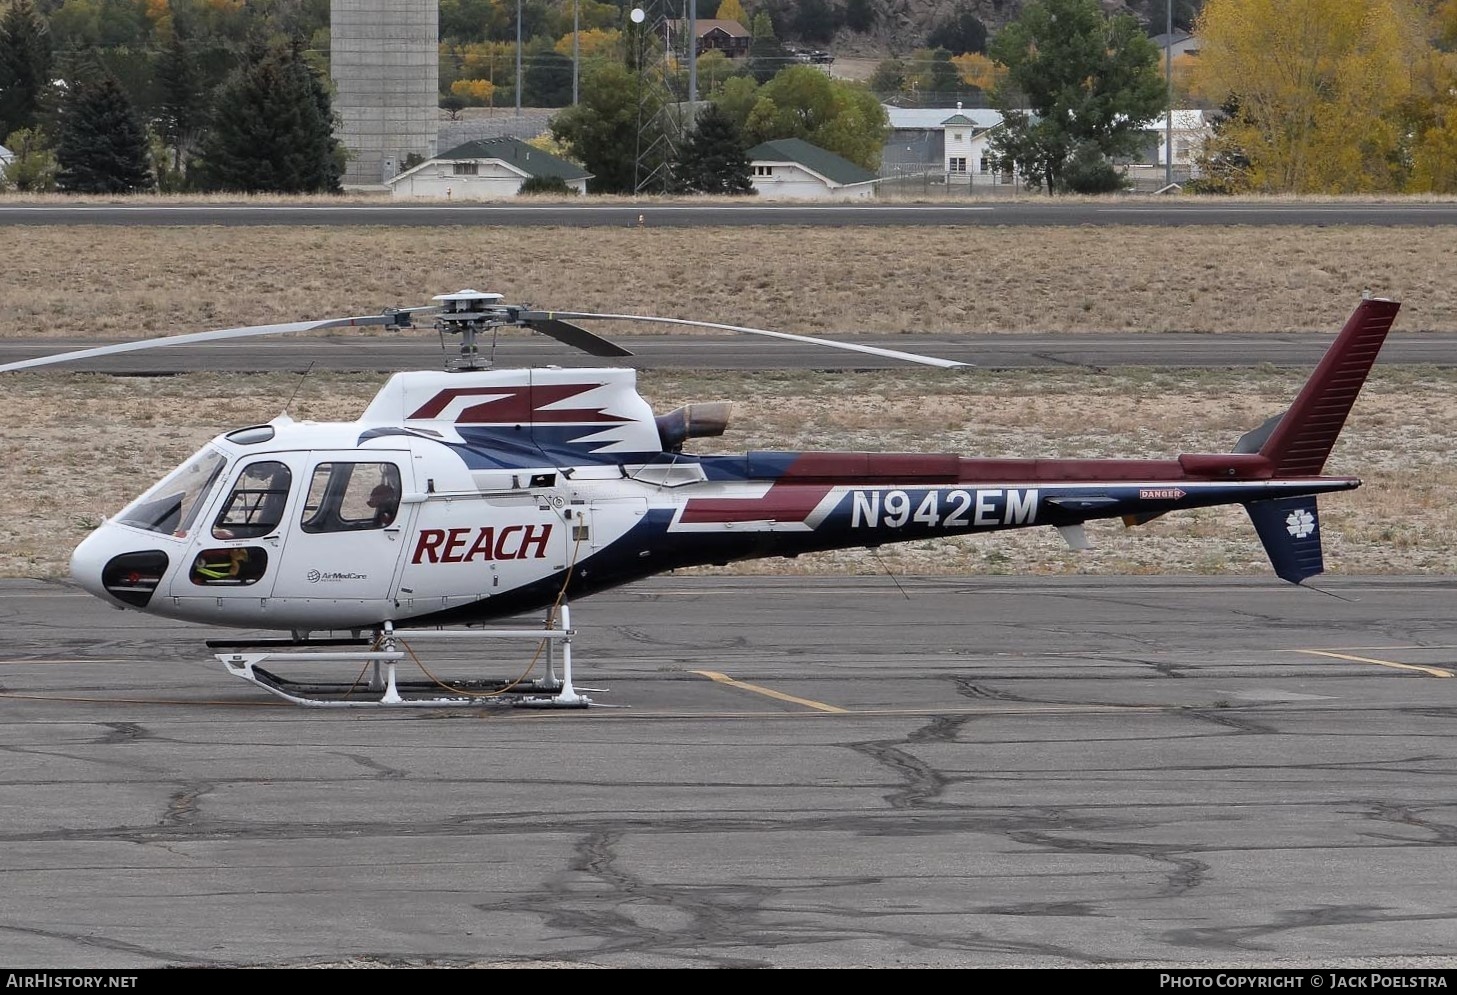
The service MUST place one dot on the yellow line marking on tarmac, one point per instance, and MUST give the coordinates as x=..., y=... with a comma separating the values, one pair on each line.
x=1372, y=649
x=1433, y=671
x=632, y=712
x=781, y=696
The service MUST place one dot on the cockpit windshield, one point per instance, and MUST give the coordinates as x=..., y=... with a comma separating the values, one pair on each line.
x=171, y=505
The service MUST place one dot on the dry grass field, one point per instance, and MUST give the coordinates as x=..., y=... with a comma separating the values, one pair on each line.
x=124, y=282
x=78, y=446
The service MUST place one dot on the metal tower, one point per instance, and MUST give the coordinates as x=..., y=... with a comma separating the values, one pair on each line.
x=666, y=56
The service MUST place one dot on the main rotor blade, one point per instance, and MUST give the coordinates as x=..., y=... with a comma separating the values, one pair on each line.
x=401, y=318
x=909, y=357
x=576, y=336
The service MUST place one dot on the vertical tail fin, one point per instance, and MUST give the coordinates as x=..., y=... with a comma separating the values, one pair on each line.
x=1299, y=442
x=1289, y=529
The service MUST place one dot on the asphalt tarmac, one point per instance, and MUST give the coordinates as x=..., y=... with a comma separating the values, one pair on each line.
x=1033, y=350
x=780, y=772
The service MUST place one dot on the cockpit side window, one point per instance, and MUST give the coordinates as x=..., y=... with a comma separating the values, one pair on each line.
x=255, y=506
x=346, y=497
x=171, y=506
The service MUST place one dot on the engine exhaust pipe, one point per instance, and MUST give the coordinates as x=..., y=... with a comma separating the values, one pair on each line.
x=692, y=421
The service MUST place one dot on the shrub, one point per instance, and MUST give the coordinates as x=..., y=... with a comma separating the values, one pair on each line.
x=546, y=185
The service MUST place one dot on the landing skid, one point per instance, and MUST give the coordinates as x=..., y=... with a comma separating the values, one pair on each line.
x=383, y=688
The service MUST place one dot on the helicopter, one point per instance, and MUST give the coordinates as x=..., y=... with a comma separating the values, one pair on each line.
x=470, y=495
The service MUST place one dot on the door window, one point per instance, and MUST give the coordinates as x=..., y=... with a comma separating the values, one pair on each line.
x=347, y=497
x=255, y=506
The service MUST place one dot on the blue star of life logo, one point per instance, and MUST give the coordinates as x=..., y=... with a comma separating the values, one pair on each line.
x=1300, y=523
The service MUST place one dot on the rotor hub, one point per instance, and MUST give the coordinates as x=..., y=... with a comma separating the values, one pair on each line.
x=467, y=313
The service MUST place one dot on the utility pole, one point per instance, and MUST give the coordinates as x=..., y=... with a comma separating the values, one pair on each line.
x=1169, y=118
x=692, y=54
x=518, y=58
x=576, y=48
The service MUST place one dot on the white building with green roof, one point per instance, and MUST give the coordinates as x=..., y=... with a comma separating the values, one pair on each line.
x=793, y=169
x=485, y=169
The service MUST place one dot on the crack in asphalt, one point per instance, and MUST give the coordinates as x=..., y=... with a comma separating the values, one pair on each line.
x=103, y=943
x=182, y=808
x=1245, y=937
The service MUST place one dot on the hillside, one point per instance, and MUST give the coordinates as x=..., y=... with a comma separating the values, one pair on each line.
x=901, y=26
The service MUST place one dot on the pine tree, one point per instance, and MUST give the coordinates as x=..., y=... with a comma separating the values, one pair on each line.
x=103, y=146
x=25, y=66
x=714, y=160
x=548, y=80
x=328, y=156
x=183, y=103
x=766, y=55
x=272, y=130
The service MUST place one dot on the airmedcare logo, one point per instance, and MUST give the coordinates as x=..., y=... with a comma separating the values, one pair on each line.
x=328, y=576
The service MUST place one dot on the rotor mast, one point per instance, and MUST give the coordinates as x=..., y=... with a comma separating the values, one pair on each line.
x=467, y=313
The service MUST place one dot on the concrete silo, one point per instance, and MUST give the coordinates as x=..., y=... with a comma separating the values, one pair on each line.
x=383, y=55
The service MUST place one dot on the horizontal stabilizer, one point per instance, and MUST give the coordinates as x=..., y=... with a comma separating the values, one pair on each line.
x=1289, y=528
x=1253, y=440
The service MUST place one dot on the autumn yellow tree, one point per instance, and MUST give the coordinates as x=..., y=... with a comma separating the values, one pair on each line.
x=159, y=15
x=1434, y=160
x=1432, y=108
x=477, y=91
x=732, y=10
x=492, y=60
x=593, y=43
x=1444, y=24
x=1183, y=69
x=1318, y=86
x=979, y=71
